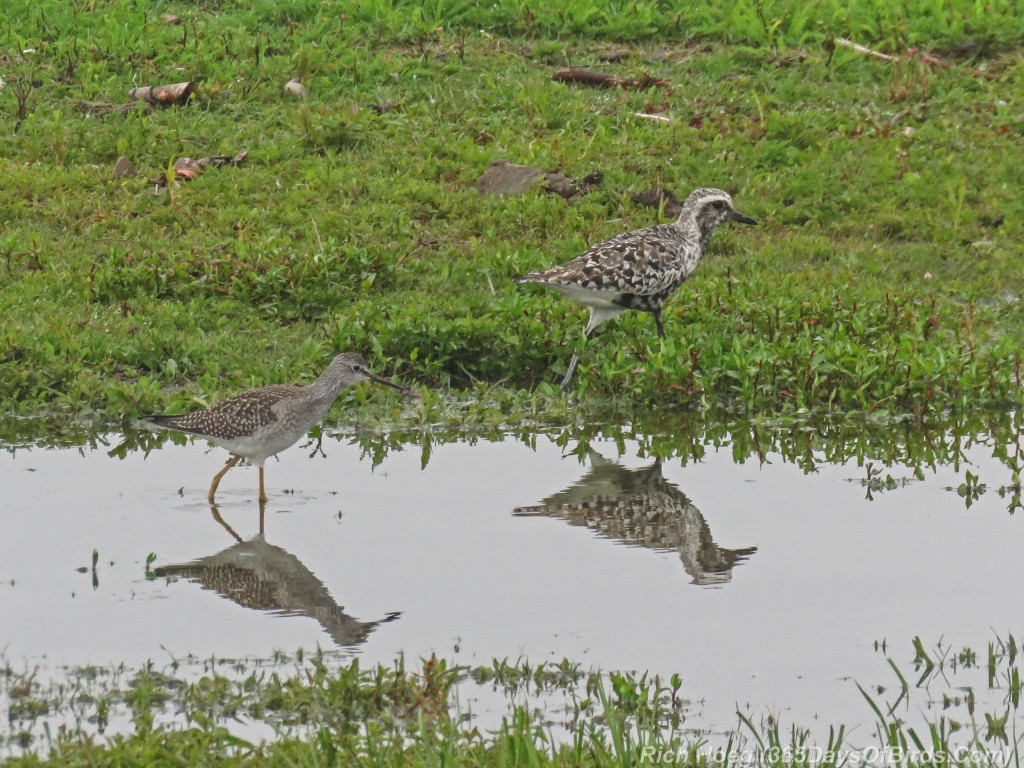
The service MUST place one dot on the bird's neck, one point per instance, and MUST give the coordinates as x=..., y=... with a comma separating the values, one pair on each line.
x=693, y=229
x=327, y=386
x=321, y=395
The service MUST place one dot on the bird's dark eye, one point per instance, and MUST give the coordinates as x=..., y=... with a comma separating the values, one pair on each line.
x=357, y=367
x=718, y=205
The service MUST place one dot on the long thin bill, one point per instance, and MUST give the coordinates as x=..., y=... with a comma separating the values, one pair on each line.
x=388, y=382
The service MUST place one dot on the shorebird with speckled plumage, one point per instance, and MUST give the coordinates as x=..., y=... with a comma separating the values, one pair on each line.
x=262, y=422
x=640, y=269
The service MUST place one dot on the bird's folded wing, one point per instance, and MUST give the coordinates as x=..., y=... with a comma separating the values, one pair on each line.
x=640, y=262
x=238, y=416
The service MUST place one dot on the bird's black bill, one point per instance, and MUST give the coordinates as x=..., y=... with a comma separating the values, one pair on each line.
x=388, y=382
x=742, y=218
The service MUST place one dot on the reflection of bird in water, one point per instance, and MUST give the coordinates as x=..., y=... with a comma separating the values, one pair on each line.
x=261, y=576
x=639, y=507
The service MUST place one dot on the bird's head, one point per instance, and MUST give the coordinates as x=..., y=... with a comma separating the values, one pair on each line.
x=708, y=208
x=350, y=367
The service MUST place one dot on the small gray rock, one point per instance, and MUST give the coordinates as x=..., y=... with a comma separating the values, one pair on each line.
x=505, y=178
x=123, y=168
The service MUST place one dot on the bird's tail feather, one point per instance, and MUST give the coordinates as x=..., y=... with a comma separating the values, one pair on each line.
x=164, y=420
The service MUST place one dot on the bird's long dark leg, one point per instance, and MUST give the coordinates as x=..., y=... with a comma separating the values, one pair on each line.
x=572, y=364
x=571, y=371
x=319, y=446
x=657, y=323
x=216, y=479
x=263, y=493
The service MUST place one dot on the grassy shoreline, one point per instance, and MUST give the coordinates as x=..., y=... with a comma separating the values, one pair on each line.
x=884, y=276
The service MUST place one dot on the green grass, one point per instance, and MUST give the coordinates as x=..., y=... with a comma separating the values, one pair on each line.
x=884, y=277
x=327, y=713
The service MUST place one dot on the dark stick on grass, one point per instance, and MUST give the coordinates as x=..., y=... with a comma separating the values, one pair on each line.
x=590, y=77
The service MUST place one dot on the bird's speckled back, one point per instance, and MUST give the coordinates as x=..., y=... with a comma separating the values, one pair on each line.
x=650, y=262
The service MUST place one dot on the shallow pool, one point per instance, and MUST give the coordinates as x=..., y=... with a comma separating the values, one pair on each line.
x=767, y=583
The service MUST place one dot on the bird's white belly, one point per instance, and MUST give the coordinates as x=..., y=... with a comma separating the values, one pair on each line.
x=589, y=296
x=264, y=443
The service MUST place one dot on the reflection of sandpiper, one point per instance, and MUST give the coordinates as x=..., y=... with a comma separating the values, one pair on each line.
x=639, y=507
x=261, y=576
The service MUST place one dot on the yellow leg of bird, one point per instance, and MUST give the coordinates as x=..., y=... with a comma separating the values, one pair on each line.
x=263, y=493
x=216, y=479
x=223, y=522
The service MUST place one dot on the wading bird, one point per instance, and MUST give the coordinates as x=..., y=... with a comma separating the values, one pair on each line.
x=262, y=422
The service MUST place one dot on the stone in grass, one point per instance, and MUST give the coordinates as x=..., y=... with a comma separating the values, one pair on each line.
x=164, y=95
x=505, y=178
x=123, y=168
x=295, y=88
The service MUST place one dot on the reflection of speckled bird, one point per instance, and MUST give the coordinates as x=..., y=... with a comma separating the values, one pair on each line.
x=639, y=507
x=261, y=576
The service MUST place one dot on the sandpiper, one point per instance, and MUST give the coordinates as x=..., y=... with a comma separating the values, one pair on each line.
x=262, y=422
x=640, y=269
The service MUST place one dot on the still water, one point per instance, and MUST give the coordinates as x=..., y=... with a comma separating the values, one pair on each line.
x=765, y=572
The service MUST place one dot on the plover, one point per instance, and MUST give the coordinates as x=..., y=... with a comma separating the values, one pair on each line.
x=640, y=269
x=262, y=422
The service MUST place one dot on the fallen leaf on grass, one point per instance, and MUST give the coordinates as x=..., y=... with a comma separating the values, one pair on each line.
x=653, y=118
x=164, y=95
x=380, y=109
x=219, y=161
x=123, y=167
x=561, y=184
x=505, y=178
x=187, y=168
x=655, y=196
x=295, y=88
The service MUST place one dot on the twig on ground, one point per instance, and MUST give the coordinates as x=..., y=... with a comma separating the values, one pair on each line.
x=590, y=77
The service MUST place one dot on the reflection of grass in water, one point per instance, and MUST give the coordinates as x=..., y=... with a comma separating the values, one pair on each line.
x=875, y=482
x=917, y=446
x=329, y=711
